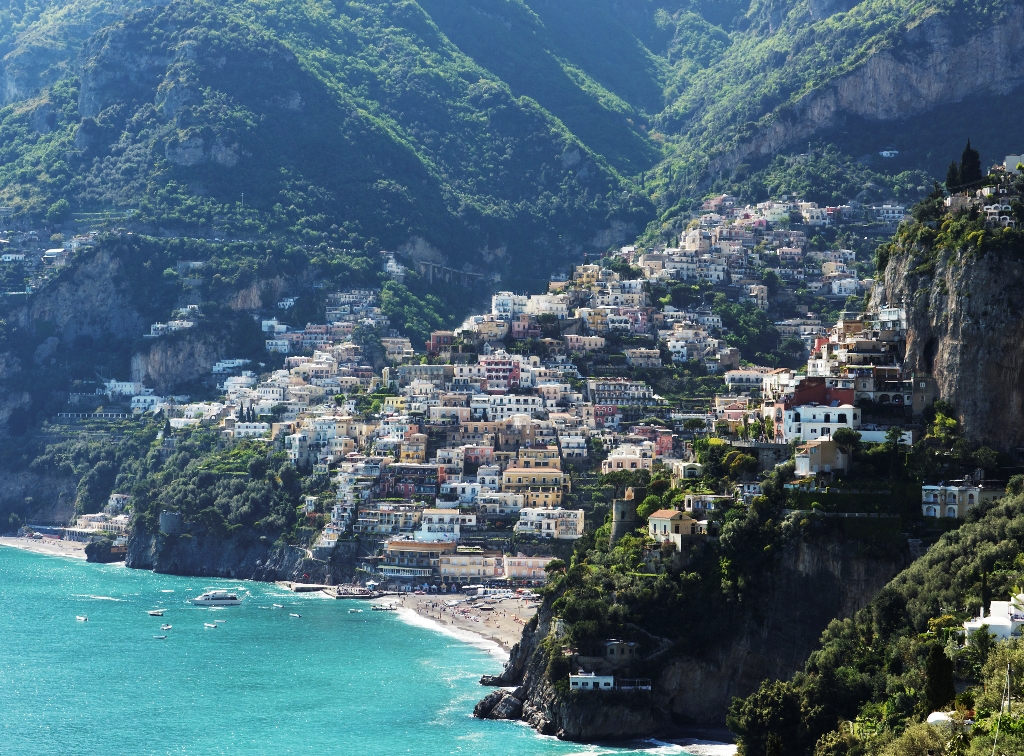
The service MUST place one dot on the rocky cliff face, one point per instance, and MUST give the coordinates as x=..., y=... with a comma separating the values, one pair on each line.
x=242, y=557
x=184, y=357
x=89, y=298
x=47, y=499
x=930, y=65
x=814, y=582
x=965, y=326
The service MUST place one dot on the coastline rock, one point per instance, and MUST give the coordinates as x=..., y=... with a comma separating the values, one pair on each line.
x=241, y=557
x=814, y=582
x=501, y=704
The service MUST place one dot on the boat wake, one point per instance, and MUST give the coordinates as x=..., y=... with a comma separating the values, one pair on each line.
x=97, y=598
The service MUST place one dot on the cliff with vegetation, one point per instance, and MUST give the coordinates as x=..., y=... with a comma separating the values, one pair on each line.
x=901, y=658
x=960, y=285
x=710, y=624
x=473, y=135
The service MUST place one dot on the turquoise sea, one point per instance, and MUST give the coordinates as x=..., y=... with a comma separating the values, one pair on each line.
x=262, y=682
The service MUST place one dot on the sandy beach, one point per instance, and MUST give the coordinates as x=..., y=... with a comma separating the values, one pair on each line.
x=49, y=546
x=502, y=624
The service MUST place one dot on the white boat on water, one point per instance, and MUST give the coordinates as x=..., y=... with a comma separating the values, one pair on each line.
x=294, y=615
x=82, y=618
x=160, y=637
x=156, y=612
x=209, y=624
x=355, y=611
x=217, y=598
x=165, y=627
x=278, y=606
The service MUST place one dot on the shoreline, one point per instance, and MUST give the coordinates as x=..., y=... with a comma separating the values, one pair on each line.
x=501, y=627
x=494, y=632
x=46, y=546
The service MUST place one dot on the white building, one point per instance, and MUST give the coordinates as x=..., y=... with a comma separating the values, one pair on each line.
x=501, y=407
x=443, y=525
x=573, y=446
x=505, y=305
x=845, y=287
x=629, y=457
x=500, y=503
x=591, y=681
x=812, y=421
x=226, y=366
x=746, y=379
x=551, y=523
x=146, y=403
x=1004, y=620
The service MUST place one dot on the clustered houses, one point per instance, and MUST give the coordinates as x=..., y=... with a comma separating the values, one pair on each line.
x=482, y=437
x=995, y=200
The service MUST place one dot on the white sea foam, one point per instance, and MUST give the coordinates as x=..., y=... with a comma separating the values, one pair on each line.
x=97, y=598
x=484, y=644
x=708, y=748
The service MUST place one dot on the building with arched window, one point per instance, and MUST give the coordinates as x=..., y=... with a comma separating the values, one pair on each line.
x=953, y=499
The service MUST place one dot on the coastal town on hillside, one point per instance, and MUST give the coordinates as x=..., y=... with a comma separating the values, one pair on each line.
x=472, y=458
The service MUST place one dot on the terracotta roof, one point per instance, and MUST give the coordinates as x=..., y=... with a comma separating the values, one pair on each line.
x=667, y=514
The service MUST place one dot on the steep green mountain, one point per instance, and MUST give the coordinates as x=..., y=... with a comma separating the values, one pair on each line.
x=472, y=132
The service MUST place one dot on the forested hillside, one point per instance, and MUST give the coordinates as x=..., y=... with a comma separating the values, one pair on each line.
x=471, y=133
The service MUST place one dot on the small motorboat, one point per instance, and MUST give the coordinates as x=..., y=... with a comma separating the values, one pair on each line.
x=218, y=621
x=165, y=627
x=209, y=624
x=294, y=615
x=355, y=611
x=160, y=637
x=278, y=606
x=82, y=618
x=156, y=612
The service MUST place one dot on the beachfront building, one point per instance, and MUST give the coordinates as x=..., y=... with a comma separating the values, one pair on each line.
x=522, y=567
x=412, y=560
x=469, y=564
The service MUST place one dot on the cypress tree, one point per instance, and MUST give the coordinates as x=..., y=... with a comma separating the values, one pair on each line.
x=952, y=176
x=938, y=690
x=970, y=165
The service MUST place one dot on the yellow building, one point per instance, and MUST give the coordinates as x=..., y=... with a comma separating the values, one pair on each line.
x=394, y=404
x=540, y=486
x=469, y=564
x=542, y=456
x=414, y=448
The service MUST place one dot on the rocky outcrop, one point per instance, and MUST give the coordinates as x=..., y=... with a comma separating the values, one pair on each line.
x=242, y=556
x=501, y=704
x=177, y=359
x=814, y=582
x=965, y=327
x=90, y=298
x=931, y=64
